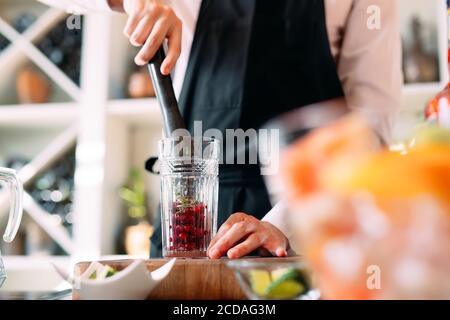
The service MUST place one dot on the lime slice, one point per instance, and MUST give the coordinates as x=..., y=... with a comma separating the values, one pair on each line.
x=110, y=271
x=93, y=276
x=284, y=274
x=432, y=134
x=259, y=281
x=285, y=289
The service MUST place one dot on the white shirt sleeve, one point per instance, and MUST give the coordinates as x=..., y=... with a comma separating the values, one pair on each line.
x=79, y=6
x=278, y=217
x=187, y=11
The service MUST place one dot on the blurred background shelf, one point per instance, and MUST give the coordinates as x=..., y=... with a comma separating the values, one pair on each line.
x=21, y=51
x=136, y=111
x=38, y=115
x=69, y=216
x=13, y=53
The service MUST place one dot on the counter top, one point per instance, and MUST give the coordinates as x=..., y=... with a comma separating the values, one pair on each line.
x=190, y=279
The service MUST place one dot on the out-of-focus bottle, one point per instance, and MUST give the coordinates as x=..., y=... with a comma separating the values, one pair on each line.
x=438, y=108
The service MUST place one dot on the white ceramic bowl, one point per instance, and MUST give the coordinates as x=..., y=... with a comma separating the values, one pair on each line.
x=134, y=282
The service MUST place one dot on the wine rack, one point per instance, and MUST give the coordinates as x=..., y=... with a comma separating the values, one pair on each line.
x=88, y=113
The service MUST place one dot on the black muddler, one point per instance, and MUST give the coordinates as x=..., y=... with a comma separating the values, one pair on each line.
x=172, y=119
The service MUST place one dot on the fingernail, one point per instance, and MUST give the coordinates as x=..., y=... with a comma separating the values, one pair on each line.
x=165, y=70
x=214, y=254
x=281, y=252
x=231, y=254
x=139, y=61
x=134, y=42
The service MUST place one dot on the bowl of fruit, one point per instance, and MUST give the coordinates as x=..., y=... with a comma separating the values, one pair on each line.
x=262, y=279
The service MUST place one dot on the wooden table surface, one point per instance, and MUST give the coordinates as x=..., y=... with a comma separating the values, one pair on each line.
x=190, y=279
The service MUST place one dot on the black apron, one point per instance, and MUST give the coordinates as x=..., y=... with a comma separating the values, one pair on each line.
x=252, y=60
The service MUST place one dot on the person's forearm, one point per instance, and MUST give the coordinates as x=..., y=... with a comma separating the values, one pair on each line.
x=116, y=5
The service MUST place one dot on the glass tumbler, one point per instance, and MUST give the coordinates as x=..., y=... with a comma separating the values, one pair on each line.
x=189, y=194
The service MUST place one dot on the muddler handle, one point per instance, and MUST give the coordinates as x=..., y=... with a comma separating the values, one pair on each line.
x=166, y=96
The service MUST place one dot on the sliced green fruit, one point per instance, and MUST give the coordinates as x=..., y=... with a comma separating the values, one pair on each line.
x=110, y=271
x=284, y=283
x=284, y=274
x=259, y=281
x=432, y=134
x=285, y=289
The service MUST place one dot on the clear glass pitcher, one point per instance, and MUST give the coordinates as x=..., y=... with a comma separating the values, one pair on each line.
x=189, y=195
x=9, y=177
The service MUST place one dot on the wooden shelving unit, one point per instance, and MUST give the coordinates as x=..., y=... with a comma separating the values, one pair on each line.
x=135, y=111
x=111, y=133
x=44, y=115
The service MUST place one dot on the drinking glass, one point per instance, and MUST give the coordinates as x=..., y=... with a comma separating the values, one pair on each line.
x=189, y=194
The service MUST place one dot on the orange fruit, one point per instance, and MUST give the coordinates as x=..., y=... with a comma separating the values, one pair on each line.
x=425, y=170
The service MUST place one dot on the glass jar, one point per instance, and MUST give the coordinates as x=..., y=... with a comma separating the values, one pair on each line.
x=14, y=184
x=189, y=194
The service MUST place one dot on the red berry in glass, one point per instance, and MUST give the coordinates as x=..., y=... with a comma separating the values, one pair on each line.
x=187, y=230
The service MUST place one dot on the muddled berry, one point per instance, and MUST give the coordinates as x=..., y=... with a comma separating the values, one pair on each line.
x=187, y=231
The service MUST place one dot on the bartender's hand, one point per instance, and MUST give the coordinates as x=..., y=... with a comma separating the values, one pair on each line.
x=149, y=23
x=241, y=234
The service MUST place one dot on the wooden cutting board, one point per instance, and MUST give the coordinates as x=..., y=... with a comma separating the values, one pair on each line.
x=190, y=279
